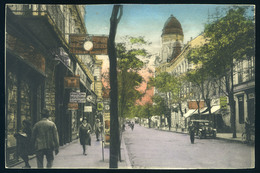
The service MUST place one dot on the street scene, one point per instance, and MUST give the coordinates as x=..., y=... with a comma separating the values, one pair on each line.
x=130, y=86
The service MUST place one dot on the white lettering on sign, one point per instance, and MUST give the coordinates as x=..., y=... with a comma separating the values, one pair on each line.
x=87, y=108
x=78, y=97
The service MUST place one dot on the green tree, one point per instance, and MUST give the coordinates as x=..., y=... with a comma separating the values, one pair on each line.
x=129, y=64
x=231, y=39
x=173, y=89
x=204, y=84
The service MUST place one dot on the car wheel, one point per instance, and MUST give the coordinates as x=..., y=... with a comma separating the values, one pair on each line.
x=200, y=135
x=214, y=135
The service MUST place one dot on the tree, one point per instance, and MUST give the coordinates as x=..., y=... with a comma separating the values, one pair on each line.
x=202, y=81
x=160, y=106
x=173, y=88
x=114, y=128
x=231, y=38
x=129, y=64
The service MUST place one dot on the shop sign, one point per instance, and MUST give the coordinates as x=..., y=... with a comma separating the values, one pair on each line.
x=78, y=97
x=71, y=82
x=88, y=44
x=107, y=128
x=100, y=106
x=73, y=106
x=87, y=108
x=223, y=102
x=194, y=105
x=81, y=74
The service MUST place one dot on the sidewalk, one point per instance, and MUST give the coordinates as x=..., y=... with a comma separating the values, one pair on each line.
x=221, y=136
x=71, y=157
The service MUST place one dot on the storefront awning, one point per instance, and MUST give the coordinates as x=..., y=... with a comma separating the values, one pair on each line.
x=213, y=109
x=189, y=113
x=194, y=111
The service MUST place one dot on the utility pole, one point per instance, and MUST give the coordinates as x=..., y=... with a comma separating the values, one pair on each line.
x=114, y=124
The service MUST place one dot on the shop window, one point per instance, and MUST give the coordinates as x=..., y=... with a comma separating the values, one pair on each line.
x=241, y=109
x=11, y=109
x=25, y=101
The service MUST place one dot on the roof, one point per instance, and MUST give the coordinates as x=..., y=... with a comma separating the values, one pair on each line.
x=172, y=26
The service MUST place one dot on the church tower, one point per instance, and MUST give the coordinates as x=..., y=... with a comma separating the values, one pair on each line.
x=172, y=39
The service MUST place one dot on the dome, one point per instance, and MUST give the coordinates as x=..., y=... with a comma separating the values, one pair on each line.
x=172, y=26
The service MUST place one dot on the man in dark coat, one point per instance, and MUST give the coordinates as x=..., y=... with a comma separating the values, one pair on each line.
x=192, y=132
x=45, y=139
x=84, y=134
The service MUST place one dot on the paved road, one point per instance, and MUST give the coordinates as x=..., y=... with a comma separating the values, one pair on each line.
x=155, y=149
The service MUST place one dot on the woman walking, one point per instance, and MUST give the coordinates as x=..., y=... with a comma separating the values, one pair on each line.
x=84, y=134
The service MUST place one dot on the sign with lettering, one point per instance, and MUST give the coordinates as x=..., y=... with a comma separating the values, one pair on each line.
x=87, y=108
x=71, y=82
x=223, y=102
x=78, y=97
x=73, y=106
x=88, y=44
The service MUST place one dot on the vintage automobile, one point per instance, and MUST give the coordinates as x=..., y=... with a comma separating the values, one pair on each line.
x=204, y=129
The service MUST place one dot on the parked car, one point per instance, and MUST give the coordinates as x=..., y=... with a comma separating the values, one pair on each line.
x=204, y=129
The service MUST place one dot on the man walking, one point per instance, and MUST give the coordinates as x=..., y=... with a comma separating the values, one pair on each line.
x=45, y=139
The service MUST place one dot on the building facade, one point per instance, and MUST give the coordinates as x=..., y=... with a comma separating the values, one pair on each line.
x=178, y=65
x=38, y=59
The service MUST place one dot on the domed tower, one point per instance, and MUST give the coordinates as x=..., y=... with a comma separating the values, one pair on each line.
x=172, y=39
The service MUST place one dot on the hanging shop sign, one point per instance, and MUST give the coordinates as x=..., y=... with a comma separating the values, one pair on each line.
x=100, y=106
x=107, y=128
x=78, y=97
x=71, y=82
x=87, y=108
x=73, y=106
x=88, y=44
x=223, y=102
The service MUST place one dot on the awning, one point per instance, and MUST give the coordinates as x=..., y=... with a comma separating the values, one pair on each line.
x=201, y=110
x=213, y=109
x=193, y=111
x=189, y=113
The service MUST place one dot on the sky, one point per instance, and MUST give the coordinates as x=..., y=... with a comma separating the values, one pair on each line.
x=148, y=20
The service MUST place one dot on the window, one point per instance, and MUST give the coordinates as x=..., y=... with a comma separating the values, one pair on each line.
x=240, y=72
x=251, y=69
x=11, y=109
x=241, y=109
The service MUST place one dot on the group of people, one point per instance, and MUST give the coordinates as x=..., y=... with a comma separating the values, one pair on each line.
x=43, y=140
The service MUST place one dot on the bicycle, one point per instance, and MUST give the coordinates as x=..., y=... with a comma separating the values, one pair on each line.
x=248, y=136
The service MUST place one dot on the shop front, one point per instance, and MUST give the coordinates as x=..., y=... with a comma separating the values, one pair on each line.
x=24, y=93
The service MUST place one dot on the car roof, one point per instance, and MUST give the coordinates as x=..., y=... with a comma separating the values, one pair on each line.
x=200, y=121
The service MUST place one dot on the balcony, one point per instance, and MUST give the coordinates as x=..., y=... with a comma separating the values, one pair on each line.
x=46, y=27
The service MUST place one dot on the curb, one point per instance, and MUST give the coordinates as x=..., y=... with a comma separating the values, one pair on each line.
x=127, y=160
x=218, y=138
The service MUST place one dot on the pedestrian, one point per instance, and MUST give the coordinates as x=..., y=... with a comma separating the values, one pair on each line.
x=123, y=127
x=45, y=139
x=192, y=132
x=132, y=126
x=97, y=128
x=84, y=134
x=24, y=147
